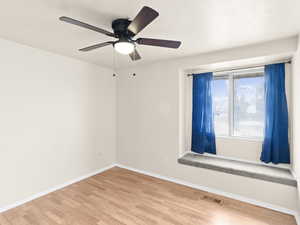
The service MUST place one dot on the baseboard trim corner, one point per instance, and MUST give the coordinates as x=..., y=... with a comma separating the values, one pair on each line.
x=55, y=188
x=218, y=192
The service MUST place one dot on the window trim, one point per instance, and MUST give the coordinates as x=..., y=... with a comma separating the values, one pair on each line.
x=231, y=76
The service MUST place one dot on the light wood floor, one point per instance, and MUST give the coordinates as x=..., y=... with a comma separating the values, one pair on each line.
x=119, y=196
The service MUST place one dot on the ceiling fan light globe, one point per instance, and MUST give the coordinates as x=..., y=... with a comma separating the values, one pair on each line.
x=124, y=48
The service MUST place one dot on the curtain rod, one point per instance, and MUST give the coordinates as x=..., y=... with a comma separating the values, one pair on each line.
x=241, y=67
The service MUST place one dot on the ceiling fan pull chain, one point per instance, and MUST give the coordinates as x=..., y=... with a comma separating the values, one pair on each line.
x=134, y=60
x=114, y=64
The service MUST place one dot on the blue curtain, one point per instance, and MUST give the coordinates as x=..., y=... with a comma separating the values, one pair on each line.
x=276, y=144
x=203, y=135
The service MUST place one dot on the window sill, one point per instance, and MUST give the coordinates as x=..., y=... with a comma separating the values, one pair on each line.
x=240, y=168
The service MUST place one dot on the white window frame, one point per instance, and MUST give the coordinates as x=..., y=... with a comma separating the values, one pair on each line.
x=231, y=75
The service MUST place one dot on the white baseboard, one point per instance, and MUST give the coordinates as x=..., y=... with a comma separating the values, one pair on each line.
x=55, y=188
x=218, y=192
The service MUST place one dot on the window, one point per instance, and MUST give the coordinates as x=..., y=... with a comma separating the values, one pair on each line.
x=238, y=103
x=220, y=92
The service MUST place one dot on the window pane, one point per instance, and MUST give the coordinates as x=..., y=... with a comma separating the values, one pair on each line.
x=248, y=107
x=220, y=106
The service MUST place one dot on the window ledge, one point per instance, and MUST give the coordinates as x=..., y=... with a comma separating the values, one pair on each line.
x=245, y=169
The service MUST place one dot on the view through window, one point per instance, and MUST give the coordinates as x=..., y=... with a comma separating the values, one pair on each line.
x=221, y=106
x=238, y=103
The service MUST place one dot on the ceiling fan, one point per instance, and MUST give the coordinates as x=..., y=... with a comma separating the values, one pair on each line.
x=125, y=30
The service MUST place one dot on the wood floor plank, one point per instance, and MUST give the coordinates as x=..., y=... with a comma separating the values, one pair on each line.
x=3, y=220
x=123, y=197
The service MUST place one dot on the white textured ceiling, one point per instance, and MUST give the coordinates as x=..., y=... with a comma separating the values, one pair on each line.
x=201, y=25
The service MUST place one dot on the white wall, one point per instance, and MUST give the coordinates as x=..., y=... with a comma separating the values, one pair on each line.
x=151, y=123
x=296, y=112
x=57, y=120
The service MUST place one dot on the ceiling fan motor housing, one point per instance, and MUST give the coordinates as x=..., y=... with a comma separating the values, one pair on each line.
x=120, y=29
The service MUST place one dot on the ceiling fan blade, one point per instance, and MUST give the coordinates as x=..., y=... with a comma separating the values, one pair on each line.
x=143, y=18
x=85, y=25
x=92, y=47
x=159, y=42
x=135, y=55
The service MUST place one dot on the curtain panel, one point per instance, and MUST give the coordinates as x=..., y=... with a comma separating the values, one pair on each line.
x=275, y=147
x=203, y=135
